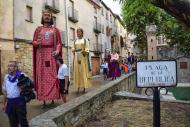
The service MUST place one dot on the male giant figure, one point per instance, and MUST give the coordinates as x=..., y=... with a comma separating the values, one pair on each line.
x=46, y=46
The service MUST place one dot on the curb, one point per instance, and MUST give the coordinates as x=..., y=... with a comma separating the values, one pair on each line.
x=97, y=76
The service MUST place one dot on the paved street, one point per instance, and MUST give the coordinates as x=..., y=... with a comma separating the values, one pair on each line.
x=34, y=107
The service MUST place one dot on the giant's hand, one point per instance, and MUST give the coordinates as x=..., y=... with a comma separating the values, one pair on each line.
x=39, y=40
x=55, y=53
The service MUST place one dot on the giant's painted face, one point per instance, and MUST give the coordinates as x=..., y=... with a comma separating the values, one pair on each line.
x=79, y=34
x=46, y=17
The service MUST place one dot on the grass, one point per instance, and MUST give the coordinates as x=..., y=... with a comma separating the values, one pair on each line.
x=139, y=113
x=181, y=93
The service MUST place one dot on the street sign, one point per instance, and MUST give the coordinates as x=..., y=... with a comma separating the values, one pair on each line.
x=156, y=73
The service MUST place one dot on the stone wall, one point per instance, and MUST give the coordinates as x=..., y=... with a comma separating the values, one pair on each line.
x=80, y=109
x=23, y=55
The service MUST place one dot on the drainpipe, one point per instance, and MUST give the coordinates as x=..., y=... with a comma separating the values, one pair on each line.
x=68, y=41
x=14, y=24
x=101, y=35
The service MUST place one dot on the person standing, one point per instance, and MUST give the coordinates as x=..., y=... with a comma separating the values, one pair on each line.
x=104, y=66
x=114, y=65
x=46, y=46
x=107, y=58
x=129, y=59
x=82, y=66
x=63, y=76
x=14, y=104
x=132, y=58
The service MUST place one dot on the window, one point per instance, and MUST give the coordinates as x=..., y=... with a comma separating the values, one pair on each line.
x=29, y=14
x=71, y=3
x=151, y=40
x=159, y=39
x=152, y=57
x=107, y=15
x=54, y=20
x=102, y=12
x=96, y=38
x=102, y=29
x=110, y=18
x=183, y=65
x=95, y=10
x=96, y=22
x=107, y=31
x=72, y=34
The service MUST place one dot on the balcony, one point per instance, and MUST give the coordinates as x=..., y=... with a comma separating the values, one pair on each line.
x=52, y=5
x=98, y=48
x=73, y=15
x=97, y=27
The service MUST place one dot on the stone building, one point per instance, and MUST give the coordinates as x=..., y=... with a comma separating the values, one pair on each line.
x=21, y=17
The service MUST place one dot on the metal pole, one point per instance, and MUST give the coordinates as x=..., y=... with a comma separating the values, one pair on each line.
x=156, y=107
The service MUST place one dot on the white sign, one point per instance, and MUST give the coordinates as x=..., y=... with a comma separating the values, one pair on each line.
x=156, y=73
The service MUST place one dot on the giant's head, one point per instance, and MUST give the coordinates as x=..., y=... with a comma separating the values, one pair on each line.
x=47, y=17
x=80, y=33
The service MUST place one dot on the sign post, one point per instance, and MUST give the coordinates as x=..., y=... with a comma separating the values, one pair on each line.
x=156, y=75
x=156, y=107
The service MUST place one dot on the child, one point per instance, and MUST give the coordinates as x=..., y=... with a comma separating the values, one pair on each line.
x=105, y=69
x=63, y=76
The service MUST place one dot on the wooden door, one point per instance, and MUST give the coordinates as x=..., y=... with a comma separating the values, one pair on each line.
x=95, y=65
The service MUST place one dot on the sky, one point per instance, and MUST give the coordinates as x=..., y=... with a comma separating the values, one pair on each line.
x=114, y=6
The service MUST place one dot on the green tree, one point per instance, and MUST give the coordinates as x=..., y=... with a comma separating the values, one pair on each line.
x=139, y=13
x=177, y=8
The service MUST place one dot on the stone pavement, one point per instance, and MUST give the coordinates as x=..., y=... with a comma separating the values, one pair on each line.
x=34, y=107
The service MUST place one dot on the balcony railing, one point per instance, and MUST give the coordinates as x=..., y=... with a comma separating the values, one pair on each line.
x=98, y=48
x=97, y=27
x=52, y=5
x=73, y=15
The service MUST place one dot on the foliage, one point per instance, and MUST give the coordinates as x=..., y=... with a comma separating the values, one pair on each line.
x=181, y=93
x=139, y=13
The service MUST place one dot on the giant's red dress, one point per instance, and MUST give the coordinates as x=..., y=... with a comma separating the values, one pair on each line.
x=44, y=64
